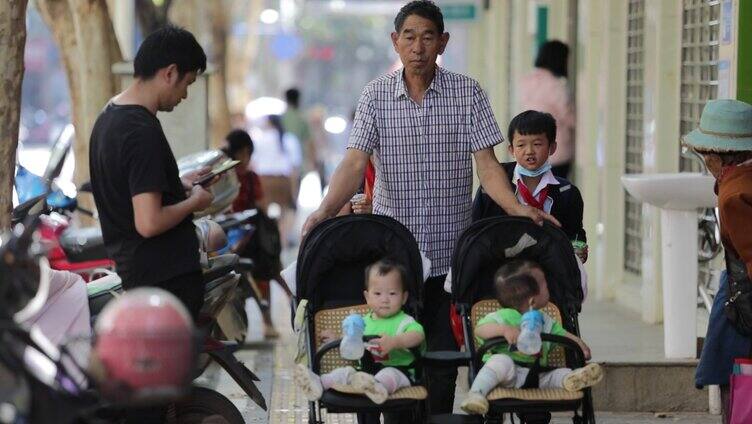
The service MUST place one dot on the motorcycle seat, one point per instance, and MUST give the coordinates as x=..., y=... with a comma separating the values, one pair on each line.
x=83, y=244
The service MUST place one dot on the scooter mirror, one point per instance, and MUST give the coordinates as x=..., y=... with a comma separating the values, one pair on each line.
x=58, y=153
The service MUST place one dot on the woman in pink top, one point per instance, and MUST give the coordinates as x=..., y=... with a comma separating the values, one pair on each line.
x=545, y=89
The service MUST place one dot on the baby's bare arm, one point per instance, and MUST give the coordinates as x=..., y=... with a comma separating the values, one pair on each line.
x=491, y=330
x=585, y=348
x=406, y=340
x=410, y=339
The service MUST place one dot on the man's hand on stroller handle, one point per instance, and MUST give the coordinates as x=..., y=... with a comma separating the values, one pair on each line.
x=537, y=215
x=585, y=348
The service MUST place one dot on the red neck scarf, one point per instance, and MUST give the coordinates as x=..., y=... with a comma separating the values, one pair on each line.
x=528, y=197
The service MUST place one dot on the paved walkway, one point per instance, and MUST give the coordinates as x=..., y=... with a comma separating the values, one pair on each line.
x=616, y=334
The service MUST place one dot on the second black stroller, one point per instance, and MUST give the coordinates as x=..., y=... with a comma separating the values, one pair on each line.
x=480, y=251
x=330, y=278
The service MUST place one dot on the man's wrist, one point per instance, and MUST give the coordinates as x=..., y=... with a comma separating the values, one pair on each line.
x=193, y=203
x=515, y=209
x=328, y=211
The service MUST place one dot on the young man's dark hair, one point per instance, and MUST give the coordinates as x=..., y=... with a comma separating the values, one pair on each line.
x=553, y=55
x=423, y=8
x=533, y=122
x=292, y=97
x=166, y=46
x=238, y=140
x=384, y=267
x=513, y=292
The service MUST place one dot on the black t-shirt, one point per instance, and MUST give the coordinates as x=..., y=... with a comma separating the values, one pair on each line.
x=129, y=155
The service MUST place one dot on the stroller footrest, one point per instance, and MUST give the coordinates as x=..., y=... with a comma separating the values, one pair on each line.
x=446, y=358
x=455, y=419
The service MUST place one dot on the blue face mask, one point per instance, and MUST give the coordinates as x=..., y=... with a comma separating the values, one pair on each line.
x=533, y=173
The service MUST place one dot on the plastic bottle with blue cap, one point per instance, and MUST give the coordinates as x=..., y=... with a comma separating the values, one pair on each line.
x=351, y=347
x=529, y=341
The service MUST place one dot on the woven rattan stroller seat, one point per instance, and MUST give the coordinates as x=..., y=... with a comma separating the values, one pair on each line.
x=331, y=319
x=412, y=392
x=548, y=395
x=556, y=358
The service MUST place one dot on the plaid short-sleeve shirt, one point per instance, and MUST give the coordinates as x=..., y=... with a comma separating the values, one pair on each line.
x=423, y=154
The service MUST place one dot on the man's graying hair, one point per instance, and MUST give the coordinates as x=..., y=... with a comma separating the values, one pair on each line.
x=729, y=158
x=423, y=8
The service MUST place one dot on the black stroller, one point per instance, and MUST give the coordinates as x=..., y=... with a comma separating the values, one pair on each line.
x=330, y=277
x=480, y=251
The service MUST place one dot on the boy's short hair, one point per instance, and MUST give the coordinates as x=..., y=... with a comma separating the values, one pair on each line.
x=512, y=292
x=165, y=46
x=425, y=9
x=533, y=122
x=384, y=267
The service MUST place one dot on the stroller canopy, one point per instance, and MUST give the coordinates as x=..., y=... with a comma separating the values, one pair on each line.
x=333, y=257
x=490, y=243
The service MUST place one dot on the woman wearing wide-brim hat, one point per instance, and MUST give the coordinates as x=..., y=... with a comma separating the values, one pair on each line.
x=724, y=139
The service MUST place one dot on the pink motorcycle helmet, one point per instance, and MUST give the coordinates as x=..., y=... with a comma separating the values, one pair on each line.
x=146, y=344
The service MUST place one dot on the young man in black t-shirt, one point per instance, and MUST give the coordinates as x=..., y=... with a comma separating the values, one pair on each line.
x=145, y=209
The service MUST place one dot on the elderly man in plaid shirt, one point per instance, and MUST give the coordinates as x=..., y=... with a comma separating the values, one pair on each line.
x=423, y=124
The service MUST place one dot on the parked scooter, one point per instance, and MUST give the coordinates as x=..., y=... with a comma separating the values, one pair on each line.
x=82, y=250
x=42, y=382
x=78, y=250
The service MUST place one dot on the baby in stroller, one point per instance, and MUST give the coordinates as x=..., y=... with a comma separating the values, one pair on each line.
x=385, y=293
x=521, y=286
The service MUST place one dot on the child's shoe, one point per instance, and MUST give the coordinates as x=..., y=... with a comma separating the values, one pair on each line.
x=589, y=375
x=475, y=404
x=370, y=387
x=309, y=382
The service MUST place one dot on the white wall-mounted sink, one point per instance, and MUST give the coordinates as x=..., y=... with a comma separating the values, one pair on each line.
x=683, y=191
x=678, y=196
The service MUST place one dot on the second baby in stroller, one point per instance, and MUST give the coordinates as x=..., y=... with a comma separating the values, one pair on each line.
x=520, y=286
x=385, y=294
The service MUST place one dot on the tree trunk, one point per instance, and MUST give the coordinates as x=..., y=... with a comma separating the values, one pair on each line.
x=150, y=16
x=12, y=43
x=189, y=14
x=88, y=46
x=240, y=55
x=208, y=21
x=59, y=19
x=98, y=50
x=219, y=112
